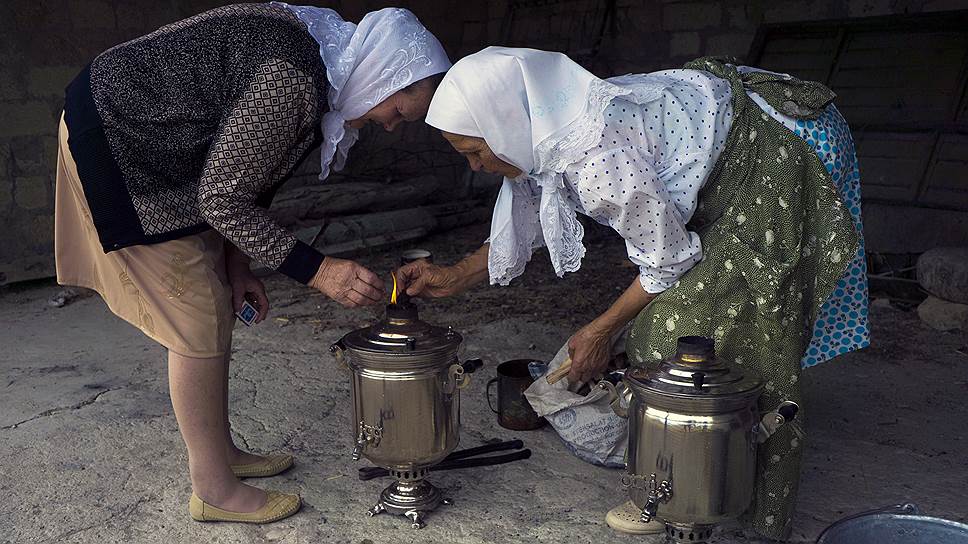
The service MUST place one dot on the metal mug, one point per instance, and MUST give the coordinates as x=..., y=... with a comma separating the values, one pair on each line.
x=413, y=255
x=513, y=409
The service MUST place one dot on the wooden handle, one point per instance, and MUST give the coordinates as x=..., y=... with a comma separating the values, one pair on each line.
x=560, y=372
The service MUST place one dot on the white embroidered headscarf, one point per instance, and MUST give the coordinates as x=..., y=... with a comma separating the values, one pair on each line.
x=538, y=111
x=365, y=64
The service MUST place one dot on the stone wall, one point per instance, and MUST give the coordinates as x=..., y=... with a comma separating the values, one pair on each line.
x=45, y=42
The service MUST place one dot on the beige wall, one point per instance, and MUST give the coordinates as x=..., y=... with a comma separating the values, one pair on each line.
x=45, y=42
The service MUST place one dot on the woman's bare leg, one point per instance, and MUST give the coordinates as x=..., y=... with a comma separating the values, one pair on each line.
x=198, y=396
x=234, y=455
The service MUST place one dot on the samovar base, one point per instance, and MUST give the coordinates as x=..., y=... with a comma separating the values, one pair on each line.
x=412, y=497
x=694, y=534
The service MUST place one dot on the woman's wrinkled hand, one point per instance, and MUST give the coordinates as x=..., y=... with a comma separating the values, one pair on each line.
x=424, y=279
x=590, y=351
x=245, y=286
x=348, y=283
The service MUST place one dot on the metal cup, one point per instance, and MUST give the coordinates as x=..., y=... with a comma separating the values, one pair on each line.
x=412, y=255
x=513, y=409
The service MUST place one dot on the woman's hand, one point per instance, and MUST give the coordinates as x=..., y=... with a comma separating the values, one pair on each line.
x=590, y=350
x=591, y=347
x=245, y=286
x=424, y=279
x=348, y=283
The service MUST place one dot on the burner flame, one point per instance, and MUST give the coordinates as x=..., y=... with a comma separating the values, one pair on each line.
x=393, y=296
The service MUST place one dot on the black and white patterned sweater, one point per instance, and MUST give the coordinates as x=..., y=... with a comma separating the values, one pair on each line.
x=195, y=125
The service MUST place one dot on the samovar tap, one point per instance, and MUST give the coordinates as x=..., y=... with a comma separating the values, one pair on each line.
x=360, y=444
x=367, y=436
x=657, y=494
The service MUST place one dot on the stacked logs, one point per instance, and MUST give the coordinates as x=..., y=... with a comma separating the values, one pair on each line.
x=338, y=218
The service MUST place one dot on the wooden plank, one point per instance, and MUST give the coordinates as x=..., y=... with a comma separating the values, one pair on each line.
x=879, y=40
x=963, y=113
x=806, y=74
x=893, y=98
x=947, y=179
x=305, y=205
x=800, y=44
x=883, y=58
x=859, y=116
x=932, y=109
x=860, y=107
x=953, y=148
x=906, y=76
x=914, y=81
x=890, y=173
x=927, y=80
x=838, y=51
x=789, y=62
x=887, y=145
x=891, y=228
x=949, y=176
x=372, y=242
x=891, y=165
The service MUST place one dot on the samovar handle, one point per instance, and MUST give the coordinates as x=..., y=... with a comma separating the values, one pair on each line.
x=772, y=421
x=471, y=365
x=619, y=396
x=338, y=350
x=459, y=373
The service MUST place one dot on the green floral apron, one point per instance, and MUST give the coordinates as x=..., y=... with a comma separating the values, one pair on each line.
x=776, y=238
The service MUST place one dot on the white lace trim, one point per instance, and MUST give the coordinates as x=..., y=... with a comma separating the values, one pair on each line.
x=513, y=246
x=333, y=35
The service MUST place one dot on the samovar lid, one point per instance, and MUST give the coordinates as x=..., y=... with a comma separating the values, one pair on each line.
x=401, y=332
x=695, y=379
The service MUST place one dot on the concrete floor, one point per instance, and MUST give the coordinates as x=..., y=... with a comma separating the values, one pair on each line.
x=89, y=450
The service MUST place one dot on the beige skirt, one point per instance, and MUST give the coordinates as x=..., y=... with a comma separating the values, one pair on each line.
x=176, y=292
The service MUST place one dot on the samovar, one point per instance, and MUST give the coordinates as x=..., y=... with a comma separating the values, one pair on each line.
x=693, y=433
x=406, y=382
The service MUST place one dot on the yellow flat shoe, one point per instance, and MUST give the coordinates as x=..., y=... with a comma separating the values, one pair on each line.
x=270, y=466
x=278, y=506
x=627, y=518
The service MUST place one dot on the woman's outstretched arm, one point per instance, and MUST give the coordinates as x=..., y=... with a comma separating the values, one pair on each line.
x=590, y=347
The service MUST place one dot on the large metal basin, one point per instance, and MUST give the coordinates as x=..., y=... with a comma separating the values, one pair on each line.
x=901, y=524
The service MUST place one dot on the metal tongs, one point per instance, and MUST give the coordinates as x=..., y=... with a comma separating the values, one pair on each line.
x=459, y=459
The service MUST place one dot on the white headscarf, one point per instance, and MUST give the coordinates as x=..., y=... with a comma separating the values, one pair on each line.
x=539, y=111
x=365, y=64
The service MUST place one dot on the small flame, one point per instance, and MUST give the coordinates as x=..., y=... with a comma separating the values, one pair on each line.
x=393, y=296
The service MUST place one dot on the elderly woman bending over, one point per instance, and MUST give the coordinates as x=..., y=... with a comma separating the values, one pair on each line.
x=171, y=148
x=736, y=192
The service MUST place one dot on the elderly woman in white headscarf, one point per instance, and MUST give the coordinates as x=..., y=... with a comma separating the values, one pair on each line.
x=736, y=191
x=171, y=147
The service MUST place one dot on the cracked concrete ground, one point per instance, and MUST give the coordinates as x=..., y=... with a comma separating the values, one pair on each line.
x=89, y=450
